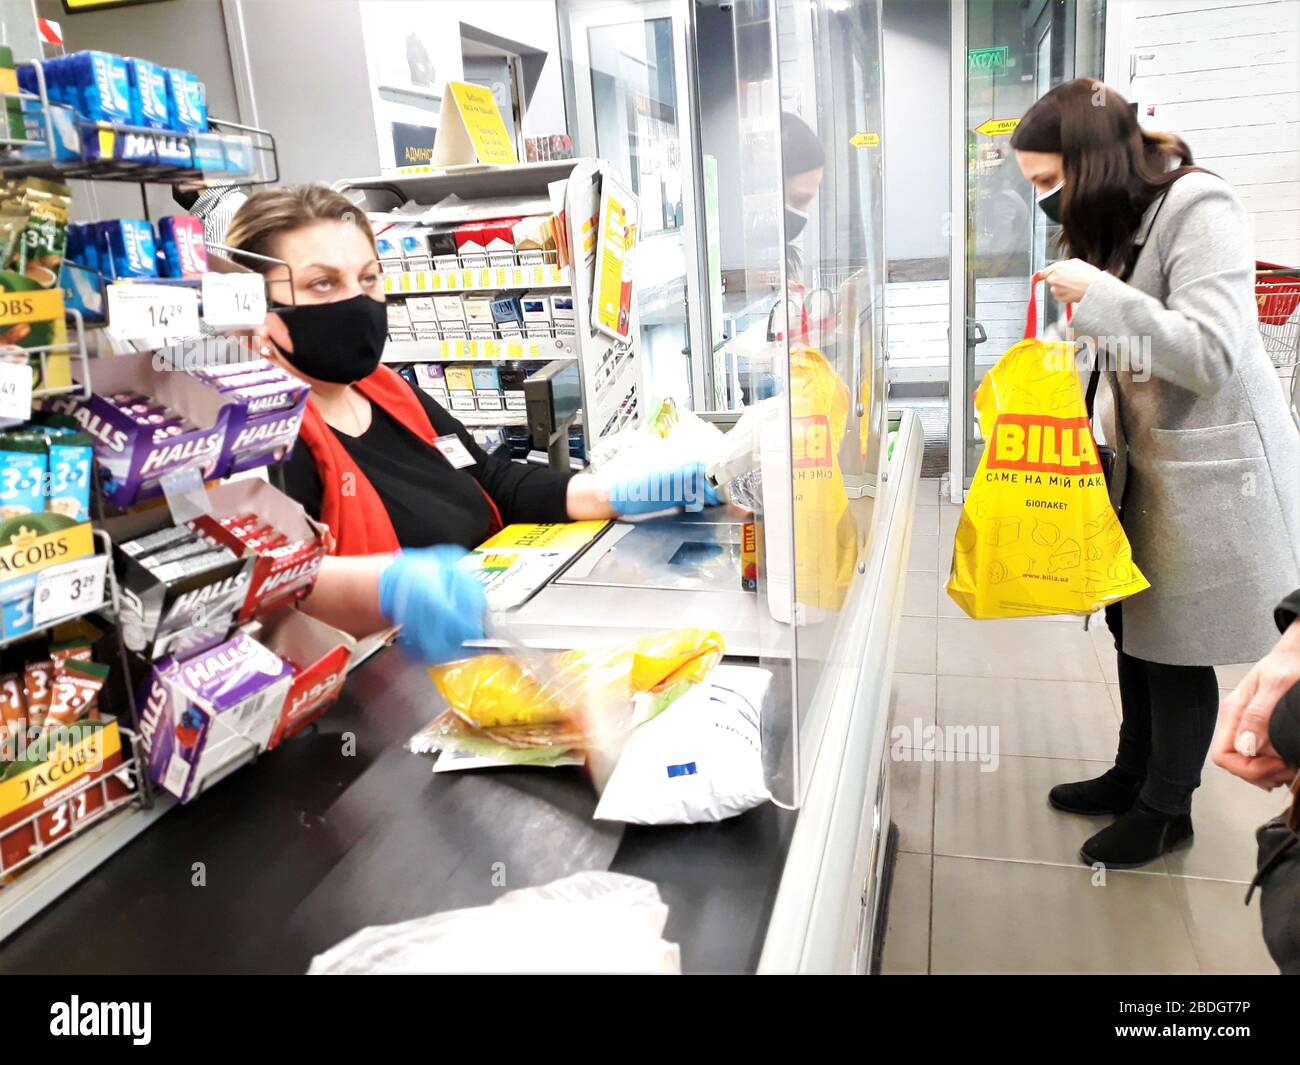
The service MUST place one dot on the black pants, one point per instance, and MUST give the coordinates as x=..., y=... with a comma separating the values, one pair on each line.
x=1169, y=714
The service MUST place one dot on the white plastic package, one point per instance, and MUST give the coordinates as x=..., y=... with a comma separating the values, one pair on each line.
x=590, y=922
x=700, y=760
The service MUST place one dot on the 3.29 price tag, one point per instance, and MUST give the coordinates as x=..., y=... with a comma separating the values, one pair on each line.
x=69, y=590
x=233, y=300
x=15, y=391
x=152, y=312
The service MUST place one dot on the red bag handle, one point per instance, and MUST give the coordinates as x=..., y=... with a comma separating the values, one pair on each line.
x=1031, y=315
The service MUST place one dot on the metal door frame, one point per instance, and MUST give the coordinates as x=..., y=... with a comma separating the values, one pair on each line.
x=681, y=18
x=957, y=379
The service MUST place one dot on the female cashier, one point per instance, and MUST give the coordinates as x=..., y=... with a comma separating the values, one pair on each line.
x=401, y=484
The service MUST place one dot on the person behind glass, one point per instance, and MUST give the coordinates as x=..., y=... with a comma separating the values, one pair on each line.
x=401, y=484
x=1207, y=458
x=803, y=160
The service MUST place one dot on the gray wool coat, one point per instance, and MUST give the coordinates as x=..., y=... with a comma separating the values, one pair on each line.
x=1207, y=452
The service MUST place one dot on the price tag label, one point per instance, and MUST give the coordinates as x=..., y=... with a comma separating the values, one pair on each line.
x=152, y=312
x=186, y=496
x=233, y=300
x=69, y=591
x=15, y=391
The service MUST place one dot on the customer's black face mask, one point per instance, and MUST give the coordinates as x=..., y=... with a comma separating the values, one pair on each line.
x=794, y=223
x=339, y=342
x=187, y=198
x=1050, y=203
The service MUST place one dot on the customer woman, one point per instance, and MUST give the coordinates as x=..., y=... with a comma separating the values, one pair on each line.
x=401, y=484
x=1207, y=471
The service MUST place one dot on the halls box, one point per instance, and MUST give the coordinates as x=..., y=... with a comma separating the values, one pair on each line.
x=201, y=717
x=321, y=655
x=173, y=618
x=131, y=460
x=277, y=579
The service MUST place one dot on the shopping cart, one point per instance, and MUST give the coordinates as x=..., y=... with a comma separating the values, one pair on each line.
x=1277, y=293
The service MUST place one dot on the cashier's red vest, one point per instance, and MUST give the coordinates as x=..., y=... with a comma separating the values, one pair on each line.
x=358, y=518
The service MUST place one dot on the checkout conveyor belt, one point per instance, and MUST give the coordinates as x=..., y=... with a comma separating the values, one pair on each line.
x=306, y=846
x=342, y=828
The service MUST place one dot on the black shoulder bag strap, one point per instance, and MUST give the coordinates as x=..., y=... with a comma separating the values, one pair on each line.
x=1094, y=378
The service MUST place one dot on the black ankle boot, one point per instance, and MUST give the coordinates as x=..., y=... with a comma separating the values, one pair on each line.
x=1114, y=792
x=1137, y=838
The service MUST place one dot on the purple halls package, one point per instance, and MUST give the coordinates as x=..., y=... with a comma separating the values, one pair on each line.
x=263, y=425
x=129, y=456
x=202, y=716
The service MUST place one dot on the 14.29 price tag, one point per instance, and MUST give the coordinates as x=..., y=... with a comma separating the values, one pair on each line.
x=70, y=590
x=233, y=300
x=152, y=312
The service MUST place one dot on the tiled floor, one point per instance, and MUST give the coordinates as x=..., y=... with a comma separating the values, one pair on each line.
x=988, y=878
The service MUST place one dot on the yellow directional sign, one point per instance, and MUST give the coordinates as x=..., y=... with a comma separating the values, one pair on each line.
x=998, y=127
x=865, y=140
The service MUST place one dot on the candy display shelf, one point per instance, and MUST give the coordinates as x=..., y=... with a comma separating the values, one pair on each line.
x=71, y=147
x=69, y=859
x=45, y=851
x=43, y=359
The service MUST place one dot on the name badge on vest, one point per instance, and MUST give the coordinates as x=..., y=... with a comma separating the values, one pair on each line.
x=454, y=451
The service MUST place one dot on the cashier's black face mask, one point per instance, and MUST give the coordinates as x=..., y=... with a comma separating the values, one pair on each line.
x=339, y=342
x=794, y=223
x=1050, y=203
x=187, y=198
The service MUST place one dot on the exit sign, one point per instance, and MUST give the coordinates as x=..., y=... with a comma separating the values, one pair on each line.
x=987, y=60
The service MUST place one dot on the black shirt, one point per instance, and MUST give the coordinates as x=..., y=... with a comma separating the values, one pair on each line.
x=428, y=501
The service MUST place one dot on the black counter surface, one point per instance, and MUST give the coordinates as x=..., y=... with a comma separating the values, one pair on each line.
x=341, y=828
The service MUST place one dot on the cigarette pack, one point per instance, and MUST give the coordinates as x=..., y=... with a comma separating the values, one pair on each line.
x=450, y=310
x=471, y=247
x=442, y=247
x=421, y=309
x=499, y=241
x=534, y=240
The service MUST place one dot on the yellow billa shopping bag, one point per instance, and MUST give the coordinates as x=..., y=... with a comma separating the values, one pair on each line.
x=1037, y=533
x=824, y=531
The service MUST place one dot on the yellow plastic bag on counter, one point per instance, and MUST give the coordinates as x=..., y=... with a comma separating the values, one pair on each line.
x=627, y=682
x=1037, y=534
x=825, y=535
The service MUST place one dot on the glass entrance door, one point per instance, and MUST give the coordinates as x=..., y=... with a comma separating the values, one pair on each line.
x=1015, y=52
x=631, y=92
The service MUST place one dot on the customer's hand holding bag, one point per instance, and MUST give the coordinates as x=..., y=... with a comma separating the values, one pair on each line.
x=1037, y=533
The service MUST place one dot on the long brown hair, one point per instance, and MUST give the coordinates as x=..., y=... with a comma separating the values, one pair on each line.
x=1114, y=169
x=269, y=213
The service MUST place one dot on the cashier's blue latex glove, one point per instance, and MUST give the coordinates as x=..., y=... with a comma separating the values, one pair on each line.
x=437, y=605
x=663, y=488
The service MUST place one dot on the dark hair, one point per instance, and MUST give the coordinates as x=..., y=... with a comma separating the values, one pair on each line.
x=1114, y=169
x=801, y=148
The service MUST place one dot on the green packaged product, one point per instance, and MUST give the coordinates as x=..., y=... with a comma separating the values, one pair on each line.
x=45, y=236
